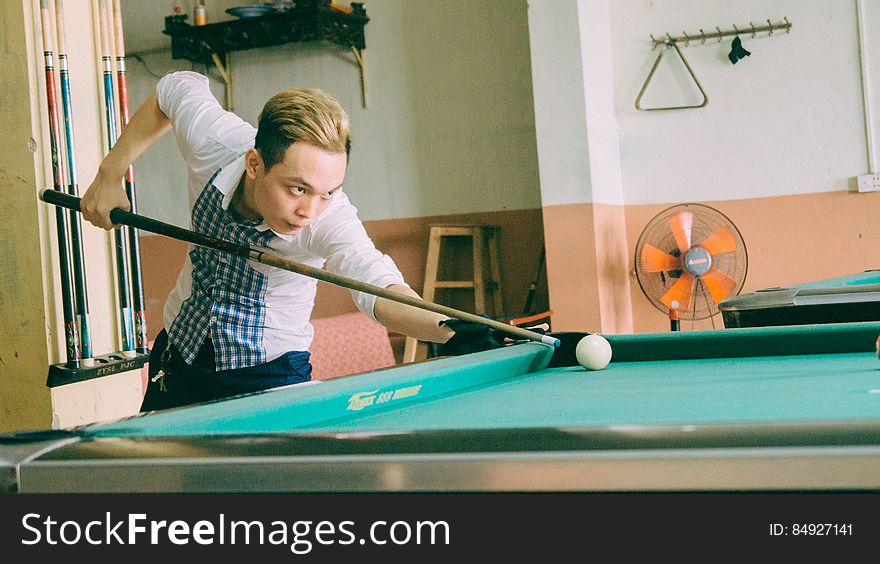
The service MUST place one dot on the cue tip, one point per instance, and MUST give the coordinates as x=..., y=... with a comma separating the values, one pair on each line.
x=548, y=340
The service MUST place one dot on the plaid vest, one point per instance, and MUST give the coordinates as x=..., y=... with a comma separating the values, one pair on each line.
x=228, y=296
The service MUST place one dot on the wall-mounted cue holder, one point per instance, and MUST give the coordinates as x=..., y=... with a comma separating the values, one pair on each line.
x=737, y=53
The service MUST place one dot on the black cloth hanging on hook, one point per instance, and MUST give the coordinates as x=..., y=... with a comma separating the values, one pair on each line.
x=737, y=51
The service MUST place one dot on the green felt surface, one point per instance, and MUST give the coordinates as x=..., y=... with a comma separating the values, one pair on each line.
x=766, y=374
x=762, y=389
x=746, y=342
x=867, y=277
x=295, y=407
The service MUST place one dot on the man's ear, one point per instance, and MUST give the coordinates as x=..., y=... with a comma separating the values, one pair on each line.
x=253, y=162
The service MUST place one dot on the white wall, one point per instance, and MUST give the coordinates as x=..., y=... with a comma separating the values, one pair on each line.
x=576, y=124
x=560, y=104
x=450, y=124
x=786, y=120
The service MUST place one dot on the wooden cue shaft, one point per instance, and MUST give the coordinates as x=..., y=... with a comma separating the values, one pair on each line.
x=122, y=217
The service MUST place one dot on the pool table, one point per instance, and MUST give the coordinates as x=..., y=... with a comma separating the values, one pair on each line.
x=835, y=300
x=775, y=408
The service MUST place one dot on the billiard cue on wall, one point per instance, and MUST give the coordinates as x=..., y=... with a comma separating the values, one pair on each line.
x=531, y=295
x=122, y=267
x=134, y=248
x=71, y=330
x=121, y=217
x=76, y=246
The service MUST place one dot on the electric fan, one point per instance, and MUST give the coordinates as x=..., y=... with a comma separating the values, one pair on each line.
x=688, y=258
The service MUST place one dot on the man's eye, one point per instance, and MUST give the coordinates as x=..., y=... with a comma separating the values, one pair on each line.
x=297, y=189
x=329, y=194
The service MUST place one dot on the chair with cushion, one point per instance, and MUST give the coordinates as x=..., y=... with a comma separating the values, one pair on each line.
x=349, y=344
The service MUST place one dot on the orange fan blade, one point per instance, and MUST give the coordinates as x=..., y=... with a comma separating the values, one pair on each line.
x=721, y=241
x=655, y=260
x=681, y=292
x=681, y=225
x=719, y=284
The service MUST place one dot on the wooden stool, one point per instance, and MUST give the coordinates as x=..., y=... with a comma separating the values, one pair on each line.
x=485, y=282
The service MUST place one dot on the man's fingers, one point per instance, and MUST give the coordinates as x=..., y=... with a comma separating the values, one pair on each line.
x=102, y=220
x=542, y=328
x=99, y=216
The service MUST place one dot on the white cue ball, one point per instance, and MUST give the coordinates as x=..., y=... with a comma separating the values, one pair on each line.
x=593, y=352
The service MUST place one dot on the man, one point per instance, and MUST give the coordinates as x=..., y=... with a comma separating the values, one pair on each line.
x=232, y=326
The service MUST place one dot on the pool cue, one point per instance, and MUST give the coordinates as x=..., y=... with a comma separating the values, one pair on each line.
x=71, y=330
x=76, y=245
x=122, y=217
x=531, y=295
x=122, y=266
x=134, y=249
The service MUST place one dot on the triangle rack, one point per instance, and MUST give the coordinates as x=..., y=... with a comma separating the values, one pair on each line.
x=670, y=41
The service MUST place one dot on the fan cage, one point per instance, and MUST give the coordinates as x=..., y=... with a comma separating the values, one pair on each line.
x=706, y=220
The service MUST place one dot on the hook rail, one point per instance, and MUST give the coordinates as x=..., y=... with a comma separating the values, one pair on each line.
x=718, y=34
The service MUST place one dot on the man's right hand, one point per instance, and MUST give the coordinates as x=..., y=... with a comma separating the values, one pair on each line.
x=105, y=193
x=103, y=196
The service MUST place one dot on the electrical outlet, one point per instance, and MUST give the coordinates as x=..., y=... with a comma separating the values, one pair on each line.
x=869, y=183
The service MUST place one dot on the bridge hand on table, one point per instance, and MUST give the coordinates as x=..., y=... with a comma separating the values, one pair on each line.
x=475, y=337
x=468, y=338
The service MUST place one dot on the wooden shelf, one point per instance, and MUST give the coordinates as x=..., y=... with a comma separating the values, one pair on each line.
x=306, y=20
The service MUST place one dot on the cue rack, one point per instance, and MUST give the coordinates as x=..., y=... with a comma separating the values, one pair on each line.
x=80, y=364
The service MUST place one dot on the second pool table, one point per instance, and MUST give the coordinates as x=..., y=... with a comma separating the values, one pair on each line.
x=844, y=299
x=776, y=408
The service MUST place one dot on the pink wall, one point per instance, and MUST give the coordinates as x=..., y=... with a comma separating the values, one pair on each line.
x=790, y=240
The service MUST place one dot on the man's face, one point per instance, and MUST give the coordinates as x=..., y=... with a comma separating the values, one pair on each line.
x=295, y=191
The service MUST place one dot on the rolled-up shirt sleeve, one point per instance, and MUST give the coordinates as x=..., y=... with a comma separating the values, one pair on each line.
x=199, y=122
x=341, y=239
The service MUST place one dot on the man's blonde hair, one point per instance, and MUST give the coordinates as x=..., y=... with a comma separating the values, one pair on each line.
x=309, y=115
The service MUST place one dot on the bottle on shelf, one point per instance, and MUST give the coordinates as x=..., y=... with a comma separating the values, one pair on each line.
x=200, y=18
